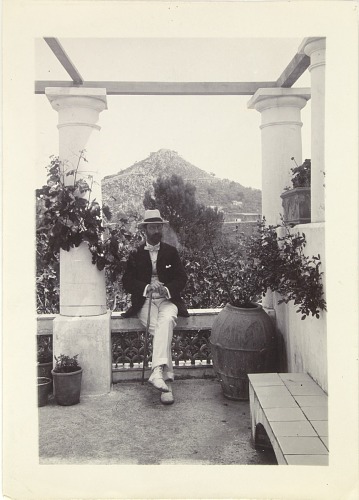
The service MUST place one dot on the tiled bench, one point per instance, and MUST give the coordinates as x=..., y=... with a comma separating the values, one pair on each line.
x=293, y=410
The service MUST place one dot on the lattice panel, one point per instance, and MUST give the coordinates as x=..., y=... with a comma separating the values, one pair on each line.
x=188, y=348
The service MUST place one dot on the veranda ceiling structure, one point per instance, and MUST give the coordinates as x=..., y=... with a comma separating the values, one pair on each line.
x=292, y=72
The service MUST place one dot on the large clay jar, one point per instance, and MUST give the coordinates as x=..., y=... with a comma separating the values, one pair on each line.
x=243, y=341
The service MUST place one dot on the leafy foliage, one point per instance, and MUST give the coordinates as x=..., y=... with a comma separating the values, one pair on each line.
x=70, y=216
x=242, y=272
x=65, y=218
x=299, y=275
x=122, y=238
x=225, y=272
x=301, y=174
x=44, y=348
x=176, y=200
x=66, y=364
x=47, y=279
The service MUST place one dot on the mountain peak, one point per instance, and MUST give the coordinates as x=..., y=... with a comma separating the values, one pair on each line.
x=164, y=152
x=124, y=191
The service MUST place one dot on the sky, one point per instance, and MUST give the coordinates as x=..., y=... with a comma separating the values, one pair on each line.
x=218, y=134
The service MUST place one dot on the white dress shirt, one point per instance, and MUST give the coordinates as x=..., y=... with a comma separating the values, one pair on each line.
x=153, y=256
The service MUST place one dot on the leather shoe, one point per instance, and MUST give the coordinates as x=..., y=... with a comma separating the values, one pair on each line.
x=167, y=397
x=159, y=384
x=156, y=379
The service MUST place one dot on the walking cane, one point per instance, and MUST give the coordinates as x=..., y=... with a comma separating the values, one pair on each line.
x=146, y=337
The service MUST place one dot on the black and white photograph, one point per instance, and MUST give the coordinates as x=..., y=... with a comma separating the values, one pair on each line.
x=184, y=285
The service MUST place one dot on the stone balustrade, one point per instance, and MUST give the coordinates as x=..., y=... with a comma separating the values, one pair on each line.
x=199, y=319
x=190, y=344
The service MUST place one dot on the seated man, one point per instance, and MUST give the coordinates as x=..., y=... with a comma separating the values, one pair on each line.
x=156, y=267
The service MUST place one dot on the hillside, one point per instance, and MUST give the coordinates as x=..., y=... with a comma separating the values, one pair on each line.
x=124, y=191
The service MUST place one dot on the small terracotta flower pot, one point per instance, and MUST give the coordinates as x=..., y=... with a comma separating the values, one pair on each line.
x=43, y=390
x=67, y=387
x=44, y=370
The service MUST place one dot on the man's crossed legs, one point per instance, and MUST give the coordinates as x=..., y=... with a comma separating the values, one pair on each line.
x=163, y=318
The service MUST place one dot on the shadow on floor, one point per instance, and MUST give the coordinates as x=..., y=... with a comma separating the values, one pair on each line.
x=131, y=426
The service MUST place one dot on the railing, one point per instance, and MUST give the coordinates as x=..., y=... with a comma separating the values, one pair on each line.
x=189, y=348
x=190, y=343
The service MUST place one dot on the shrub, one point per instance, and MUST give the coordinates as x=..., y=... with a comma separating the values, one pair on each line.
x=66, y=364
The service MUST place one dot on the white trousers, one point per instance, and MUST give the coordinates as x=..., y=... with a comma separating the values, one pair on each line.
x=162, y=321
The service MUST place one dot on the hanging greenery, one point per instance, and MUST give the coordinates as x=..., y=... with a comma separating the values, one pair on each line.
x=67, y=217
x=241, y=272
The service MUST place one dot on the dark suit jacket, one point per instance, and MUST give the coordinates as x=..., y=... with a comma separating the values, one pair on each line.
x=139, y=271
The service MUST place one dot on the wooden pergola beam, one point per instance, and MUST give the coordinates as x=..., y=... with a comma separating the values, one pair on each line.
x=290, y=75
x=293, y=71
x=64, y=59
x=163, y=88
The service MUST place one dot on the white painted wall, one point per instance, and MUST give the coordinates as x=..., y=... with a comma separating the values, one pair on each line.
x=306, y=340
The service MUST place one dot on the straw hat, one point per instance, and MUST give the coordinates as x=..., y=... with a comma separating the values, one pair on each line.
x=152, y=217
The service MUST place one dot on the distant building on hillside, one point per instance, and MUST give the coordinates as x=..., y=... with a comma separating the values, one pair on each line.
x=238, y=217
x=200, y=180
x=237, y=203
x=243, y=222
x=219, y=208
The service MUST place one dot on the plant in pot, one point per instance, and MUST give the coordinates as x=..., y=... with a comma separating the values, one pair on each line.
x=43, y=390
x=44, y=356
x=44, y=368
x=67, y=217
x=296, y=200
x=67, y=376
x=243, y=337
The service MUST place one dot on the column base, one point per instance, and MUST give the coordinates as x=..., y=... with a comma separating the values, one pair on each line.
x=90, y=338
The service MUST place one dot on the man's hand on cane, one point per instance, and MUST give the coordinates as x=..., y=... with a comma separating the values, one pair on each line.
x=157, y=287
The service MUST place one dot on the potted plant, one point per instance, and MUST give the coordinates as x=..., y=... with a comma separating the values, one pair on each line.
x=66, y=218
x=67, y=375
x=44, y=356
x=243, y=338
x=296, y=200
x=43, y=390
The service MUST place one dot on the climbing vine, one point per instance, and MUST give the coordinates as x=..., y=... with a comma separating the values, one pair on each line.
x=67, y=217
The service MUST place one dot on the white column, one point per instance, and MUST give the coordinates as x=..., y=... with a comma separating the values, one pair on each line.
x=83, y=326
x=281, y=140
x=82, y=285
x=315, y=49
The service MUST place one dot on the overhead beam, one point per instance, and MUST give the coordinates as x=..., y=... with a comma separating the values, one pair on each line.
x=163, y=88
x=64, y=59
x=290, y=75
x=293, y=71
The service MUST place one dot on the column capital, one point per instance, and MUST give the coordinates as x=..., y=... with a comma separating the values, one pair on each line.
x=278, y=97
x=312, y=44
x=65, y=97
